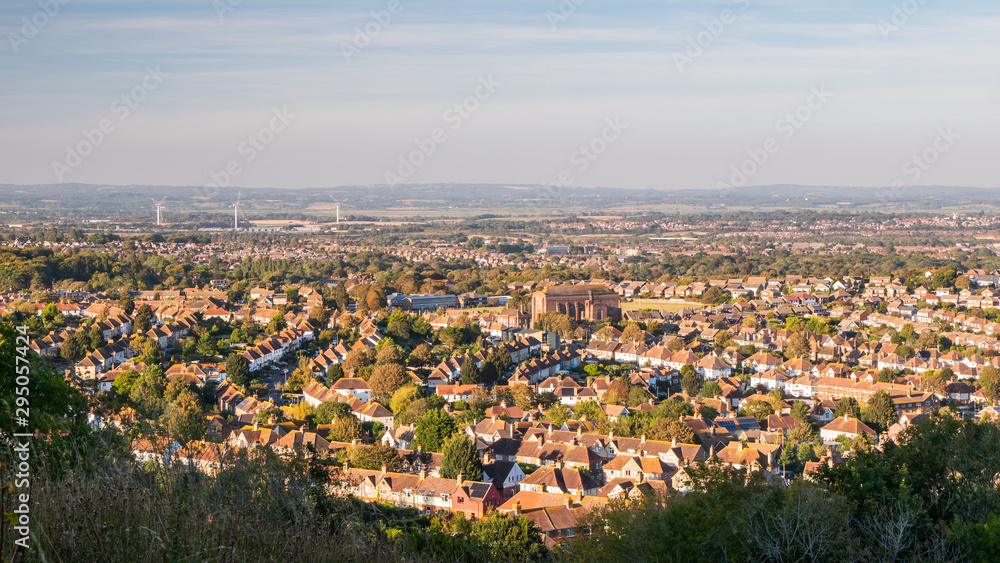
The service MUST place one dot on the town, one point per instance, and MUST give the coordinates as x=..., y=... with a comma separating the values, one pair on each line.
x=466, y=382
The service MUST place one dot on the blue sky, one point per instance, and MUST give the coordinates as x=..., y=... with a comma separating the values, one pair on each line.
x=893, y=90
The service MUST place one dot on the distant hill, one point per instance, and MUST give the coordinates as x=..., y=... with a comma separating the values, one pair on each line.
x=436, y=200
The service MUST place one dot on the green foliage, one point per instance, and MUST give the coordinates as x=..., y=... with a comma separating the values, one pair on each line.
x=847, y=405
x=325, y=413
x=147, y=392
x=508, y=538
x=237, y=369
x=759, y=410
x=690, y=382
x=374, y=456
x=711, y=389
x=673, y=409
x=558, y=414
x=433, y=429
x=460, y=455
x=880, y=412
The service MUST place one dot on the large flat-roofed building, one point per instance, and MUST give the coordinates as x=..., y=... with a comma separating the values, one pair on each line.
x=422, y=303
x=584, y=302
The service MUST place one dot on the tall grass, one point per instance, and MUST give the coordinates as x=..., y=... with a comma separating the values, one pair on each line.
x=255, y=509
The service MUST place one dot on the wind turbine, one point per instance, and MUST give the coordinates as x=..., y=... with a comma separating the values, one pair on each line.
x=337, y=228
x=236, y=211
x=159, y=205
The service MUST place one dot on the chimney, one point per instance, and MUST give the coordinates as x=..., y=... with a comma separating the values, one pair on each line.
x=579, y=431
x=549, y=433
x=384, y=469
x=578, y=497
x=347, y=464
x=423, y=473
x=642, y=440
x=673, y=442
x=583, y=417
x=739, y=446
x=561, y=464
x=503, y=405
x=568, y=501
x=517, y=508
x=256, y=425
x=638, y=478
x=611, y=435
x=460, y=480
x=354, y=443
x=494, y=418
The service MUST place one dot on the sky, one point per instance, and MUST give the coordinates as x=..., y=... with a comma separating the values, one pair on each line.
x=625, y=94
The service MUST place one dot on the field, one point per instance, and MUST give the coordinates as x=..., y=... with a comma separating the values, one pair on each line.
x=659, y=305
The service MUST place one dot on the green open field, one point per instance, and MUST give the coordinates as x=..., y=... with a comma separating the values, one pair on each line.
x=659, y=305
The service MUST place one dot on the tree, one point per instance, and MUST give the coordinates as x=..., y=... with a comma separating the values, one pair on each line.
x=422, y=355
x=460, y=455
x=672, y=408
x=346, y=429
x=880, y=412
x=328, y=412
x=690, y=382
x=273, y=415
x=511, y=538
x=637, y=395
x=558, y=414
x=292, y=294
x=470, y=372
x=333, y=373
x=433, y=429
x=667, y=429
x=989, y=382
x=617, y=393
x=524, y=396
x=374, y=456
x=152, y=353
x=143, y=317
x=300, y=377
x=801, y=412
x=711, y=390
x=633, y=333
x=357, y=359
x=147, y=392
x=123, y=383
x=798, y=346
x=847, y=405
x=183, y=418
x=74, y=347
x=95, y=338
x=403, y=396
x=386, y=379
x=390, y=354
x=237, y=369
x=759, y=410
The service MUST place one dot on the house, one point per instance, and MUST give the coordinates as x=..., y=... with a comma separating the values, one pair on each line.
x=846, y=426
x=505, y=475
x=560, y=479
